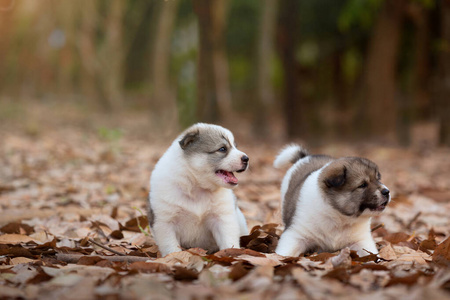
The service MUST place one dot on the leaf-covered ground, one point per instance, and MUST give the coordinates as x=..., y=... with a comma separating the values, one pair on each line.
x=73, y=226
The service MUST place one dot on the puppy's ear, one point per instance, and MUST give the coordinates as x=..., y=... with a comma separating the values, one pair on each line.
x=336, y=178
x=188, y=139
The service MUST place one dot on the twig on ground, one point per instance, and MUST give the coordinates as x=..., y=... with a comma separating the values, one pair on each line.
x=107, y=248
x=414, y=219
x=73, y=258
x=377, y=227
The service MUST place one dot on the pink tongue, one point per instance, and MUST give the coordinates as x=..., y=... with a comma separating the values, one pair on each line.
x=228, y=177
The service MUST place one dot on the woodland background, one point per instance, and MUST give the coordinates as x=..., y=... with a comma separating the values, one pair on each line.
x=92, y=92
x=343, y=69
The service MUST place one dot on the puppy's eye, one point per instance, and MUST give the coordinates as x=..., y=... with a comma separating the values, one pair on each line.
x=364, y=185
x=222, y=149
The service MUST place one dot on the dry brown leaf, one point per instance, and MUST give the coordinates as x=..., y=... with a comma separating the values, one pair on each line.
x=14, y=239
x=149, y=267
x=417, y=258
x=260, y=261
x=239, y=270
x=441, y=254
x=233, y=252
x=17, y=228
x=407, y=280
x=387, y=253
x=21, y=260
x=184, y=274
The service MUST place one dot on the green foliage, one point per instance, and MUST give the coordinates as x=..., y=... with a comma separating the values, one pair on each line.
x=308, y=53
x=242, y=28
x=318, y=19
x=429, y=4
x=146, y=230
x=359, y=13
x=352, y=63
x=111, y=135
x=241, y=36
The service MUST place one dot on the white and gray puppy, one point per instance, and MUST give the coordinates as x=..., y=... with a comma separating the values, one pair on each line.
x=190, y=202
x=327, y=203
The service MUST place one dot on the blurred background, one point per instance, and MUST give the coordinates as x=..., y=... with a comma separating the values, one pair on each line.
x=352, y=70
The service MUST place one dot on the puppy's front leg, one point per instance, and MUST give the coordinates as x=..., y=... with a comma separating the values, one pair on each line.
x=291, y=244
x=365, y=246
x=225, y=230
x=166, y=238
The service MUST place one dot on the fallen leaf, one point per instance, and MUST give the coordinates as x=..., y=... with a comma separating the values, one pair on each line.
x=406, y=280
x=239, y=270
x=14, y=239
x=17, y=228
x=233, y=252
x=89, y=260
x=21, y=260
x=341, y=274
x=260, y=261
x=441, y=254
x=387, y=253
x=184, y=274
x=149, y=267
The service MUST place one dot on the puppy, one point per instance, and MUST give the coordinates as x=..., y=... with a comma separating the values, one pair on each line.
x=190, y=202
x=327, y=203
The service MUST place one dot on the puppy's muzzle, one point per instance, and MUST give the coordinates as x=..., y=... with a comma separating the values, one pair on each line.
x=244, y=160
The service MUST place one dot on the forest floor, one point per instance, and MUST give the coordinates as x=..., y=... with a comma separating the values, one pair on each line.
x=70, y=196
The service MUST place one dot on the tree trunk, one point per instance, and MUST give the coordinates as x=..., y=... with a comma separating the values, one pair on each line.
x=340, y=89
x=264, y=91
x=90, y=65
x=421, y=69
x=214, y=100
x=287, y=43
x=163, y=102
x=114, y=56
x=6, y=19
x=220, y=61
x=443, y=101
x=380, y=109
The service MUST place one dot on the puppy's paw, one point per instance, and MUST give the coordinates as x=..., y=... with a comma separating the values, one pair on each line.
x=342, y=259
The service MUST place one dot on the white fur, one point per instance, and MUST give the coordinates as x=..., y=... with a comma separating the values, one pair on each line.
x=286, y=155
x=317, y=224
x=192, y=205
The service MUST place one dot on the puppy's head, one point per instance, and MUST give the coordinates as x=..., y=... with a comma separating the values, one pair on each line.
x=210, y=152
x=352, y=186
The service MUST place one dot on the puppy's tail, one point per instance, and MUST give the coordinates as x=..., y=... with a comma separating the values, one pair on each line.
x=289, y=154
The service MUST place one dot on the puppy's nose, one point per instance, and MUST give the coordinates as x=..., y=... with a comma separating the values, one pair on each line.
x=385, y=192
x=245, y=159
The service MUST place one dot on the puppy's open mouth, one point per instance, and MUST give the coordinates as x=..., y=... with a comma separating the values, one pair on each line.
x=227, y=176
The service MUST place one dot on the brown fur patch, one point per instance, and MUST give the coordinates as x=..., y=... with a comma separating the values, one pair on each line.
x=351, y=184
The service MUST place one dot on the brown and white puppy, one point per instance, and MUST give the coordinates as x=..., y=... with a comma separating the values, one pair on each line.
x=327, y=203
x=190, y=202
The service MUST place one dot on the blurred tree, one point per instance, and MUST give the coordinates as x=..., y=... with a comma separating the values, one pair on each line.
x=419, y=15
x=6, y=19
x=443, y=102
x=140, y=23
x=114, y=53
x=380, y=81
x=287, y=38
x=264, y=96
x=102, y=55
x=184, y=62
x=214, y=99
x=163, y=100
